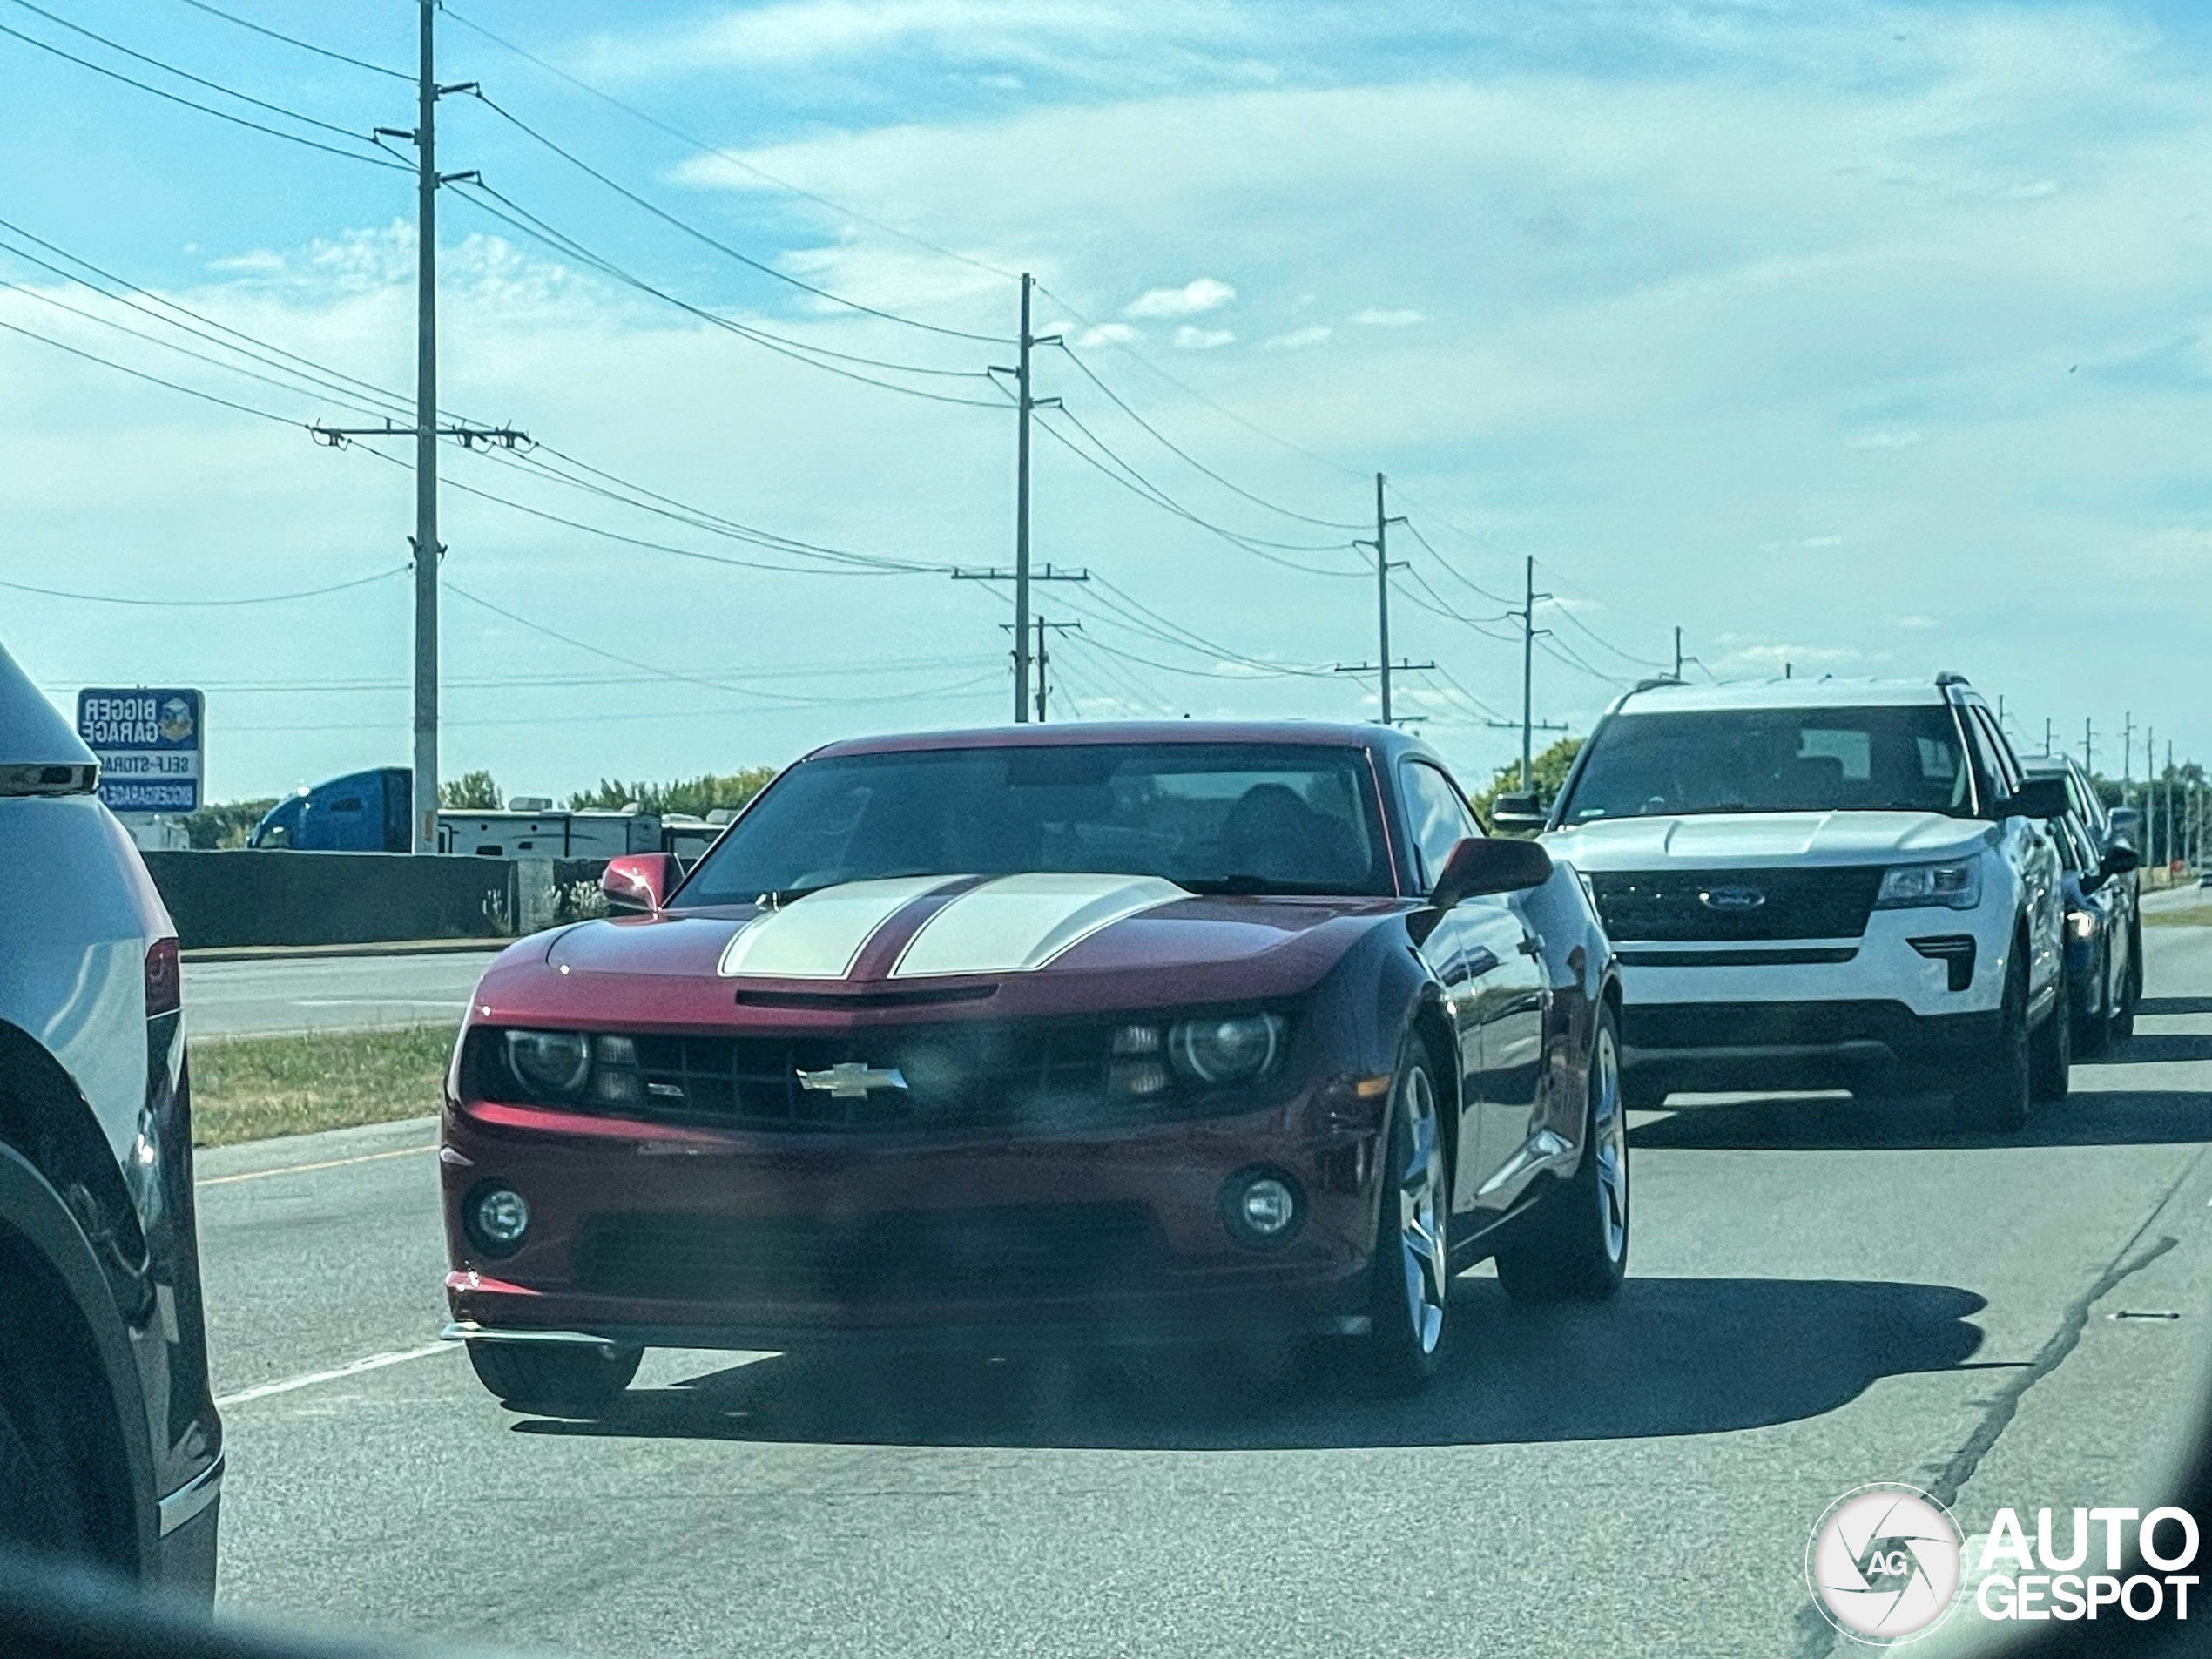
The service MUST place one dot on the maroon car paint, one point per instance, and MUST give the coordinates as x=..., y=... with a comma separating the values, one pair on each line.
x=1352, y=966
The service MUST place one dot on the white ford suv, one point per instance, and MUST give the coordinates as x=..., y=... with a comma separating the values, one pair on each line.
x=1820, y=883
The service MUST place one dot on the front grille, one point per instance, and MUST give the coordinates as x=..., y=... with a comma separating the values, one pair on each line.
x=980, y=1074
x=1011, y=1251
x=1792, y=903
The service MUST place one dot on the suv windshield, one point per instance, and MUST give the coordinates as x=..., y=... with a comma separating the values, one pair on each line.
x=1902, y=759
x=1213, y=818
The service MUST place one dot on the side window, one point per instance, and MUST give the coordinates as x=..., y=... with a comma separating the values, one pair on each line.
x=1435, y=816
x=1992, y=783
x=2008, y=769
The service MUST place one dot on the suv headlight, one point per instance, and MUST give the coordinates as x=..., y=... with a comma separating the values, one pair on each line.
x=1956, y=885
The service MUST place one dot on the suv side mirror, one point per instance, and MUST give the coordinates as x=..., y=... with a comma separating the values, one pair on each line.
x=2037, y=797
x=1479, y=864
x=1518, y=814
x=638, y=882
x=2118, y=858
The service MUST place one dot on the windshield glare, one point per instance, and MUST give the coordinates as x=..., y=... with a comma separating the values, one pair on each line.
x=1209, y=817
x=1772, y=760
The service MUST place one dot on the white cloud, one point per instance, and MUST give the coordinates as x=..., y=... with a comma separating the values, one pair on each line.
x=1892, y=438
x=1193, y=299
x=1915, y=624
x=1399, y=318
x=1312, y=335
x=1107, y=333
x=1189, y=338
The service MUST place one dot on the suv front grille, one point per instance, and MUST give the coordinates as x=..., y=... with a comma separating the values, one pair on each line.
x=1790, y=904
x=1011, y=1251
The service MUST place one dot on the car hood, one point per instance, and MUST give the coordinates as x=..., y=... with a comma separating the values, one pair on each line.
x=1716, y=840
x=1034, y=943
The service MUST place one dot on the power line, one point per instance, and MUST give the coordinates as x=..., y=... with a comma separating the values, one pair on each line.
x=187, y=75
x=305, y=46
x=207, y=604
x=1306, y=518
x=722, y=247
x=704, y=148
x=205, y=109
x=1451, y=569
x=140, y=375
x=560, y=242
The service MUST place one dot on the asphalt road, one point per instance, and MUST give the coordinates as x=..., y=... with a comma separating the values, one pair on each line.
x=266, y=995
x=1824, y=1292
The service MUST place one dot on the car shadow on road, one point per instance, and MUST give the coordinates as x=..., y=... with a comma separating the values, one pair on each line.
x=2175, y=1005
x=2150, y=1047
x=1834, y=1123
x=1667, y=1357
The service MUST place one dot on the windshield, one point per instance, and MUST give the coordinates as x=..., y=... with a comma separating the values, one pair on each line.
x=1772, y=760
x=1213, y=818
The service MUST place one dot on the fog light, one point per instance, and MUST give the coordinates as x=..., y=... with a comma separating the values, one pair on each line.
x=1262, y=1207
x=498, y=1217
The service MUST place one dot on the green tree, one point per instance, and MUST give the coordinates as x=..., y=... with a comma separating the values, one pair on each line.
x=1546, y=774
x=708, y=793
x=473, y=791
x=225, y=823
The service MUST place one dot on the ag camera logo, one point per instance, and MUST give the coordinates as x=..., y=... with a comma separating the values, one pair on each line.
x=1883, y=1564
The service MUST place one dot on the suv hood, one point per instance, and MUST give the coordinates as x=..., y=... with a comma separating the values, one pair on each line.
x=1713, y=840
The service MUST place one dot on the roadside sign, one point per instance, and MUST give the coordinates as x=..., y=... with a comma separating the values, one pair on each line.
x=152, y=746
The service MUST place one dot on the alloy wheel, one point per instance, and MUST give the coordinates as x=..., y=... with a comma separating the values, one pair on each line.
x=1422, y=1209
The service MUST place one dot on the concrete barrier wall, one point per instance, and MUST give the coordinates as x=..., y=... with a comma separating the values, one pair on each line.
x=331, y=898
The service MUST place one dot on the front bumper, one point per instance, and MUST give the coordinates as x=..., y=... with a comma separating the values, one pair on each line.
x=1851, y=1044
x=648, y=1236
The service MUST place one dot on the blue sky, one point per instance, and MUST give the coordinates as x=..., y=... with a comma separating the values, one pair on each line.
x=1866, y=338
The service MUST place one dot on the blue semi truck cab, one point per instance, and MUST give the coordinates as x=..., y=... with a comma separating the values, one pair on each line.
x=362, y=811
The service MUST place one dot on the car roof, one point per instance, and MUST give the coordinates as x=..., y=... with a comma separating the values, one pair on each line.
x=32, y=730
x=1824, y=692
x=2047, y=766
x=1313, y=733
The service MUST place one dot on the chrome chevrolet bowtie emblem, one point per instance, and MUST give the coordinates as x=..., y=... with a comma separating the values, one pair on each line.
x=1731, y=898
x=851, y=1080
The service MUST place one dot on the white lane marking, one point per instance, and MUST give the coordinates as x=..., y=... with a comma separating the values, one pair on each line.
x=374, y=1362
x=301, y=1168
x=821, y=935
x=1019, y=923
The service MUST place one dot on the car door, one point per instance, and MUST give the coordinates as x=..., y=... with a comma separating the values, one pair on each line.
x=1486, y=954
x=2028, y=845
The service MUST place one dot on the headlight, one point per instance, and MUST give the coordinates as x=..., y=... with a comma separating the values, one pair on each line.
x=2081, y=924
x=1233, y=1050
x=1956, y=885
x=549, y=1063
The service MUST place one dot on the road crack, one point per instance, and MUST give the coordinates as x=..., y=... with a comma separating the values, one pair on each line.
x=1818, y=1636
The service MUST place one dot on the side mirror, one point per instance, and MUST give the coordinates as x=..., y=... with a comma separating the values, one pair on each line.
x=1520, y=814
x=2127, y=824
x=2118, y=858
x=1479, y=864
x=2037, y=797
x=638, y=882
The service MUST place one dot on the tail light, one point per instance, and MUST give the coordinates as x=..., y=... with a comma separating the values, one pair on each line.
x=164, y=979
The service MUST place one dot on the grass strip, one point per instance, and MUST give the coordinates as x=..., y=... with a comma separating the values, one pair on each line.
x=2196, y=915
x=250, y=1088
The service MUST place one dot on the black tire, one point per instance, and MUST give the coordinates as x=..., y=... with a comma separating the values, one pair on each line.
x=42, y=1510
x=1410, y=1279
x=1575, y=1246
x=1991, y=1090
x=554, y=1379
x=2051, y=1049
x=2093, y=1031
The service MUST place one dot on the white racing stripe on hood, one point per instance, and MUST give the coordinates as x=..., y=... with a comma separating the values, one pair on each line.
x=1021, y=922
x=820, y=935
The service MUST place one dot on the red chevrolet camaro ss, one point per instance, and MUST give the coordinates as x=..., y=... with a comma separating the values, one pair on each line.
x=1163, y=1033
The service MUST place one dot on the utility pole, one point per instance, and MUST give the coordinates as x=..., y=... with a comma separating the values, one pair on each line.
x=1677, y=650
x=1528, y=632
x=1384, y=566
x=2169, y=800
x=1024, y=403
x=2046, y=734
x=2126, y=756
x=1044, y=659
x=999, y=573
x=427, y=431
x=2090, y=748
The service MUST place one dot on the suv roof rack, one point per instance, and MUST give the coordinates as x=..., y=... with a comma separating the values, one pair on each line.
x=1952, y=676
x=1655, y=681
